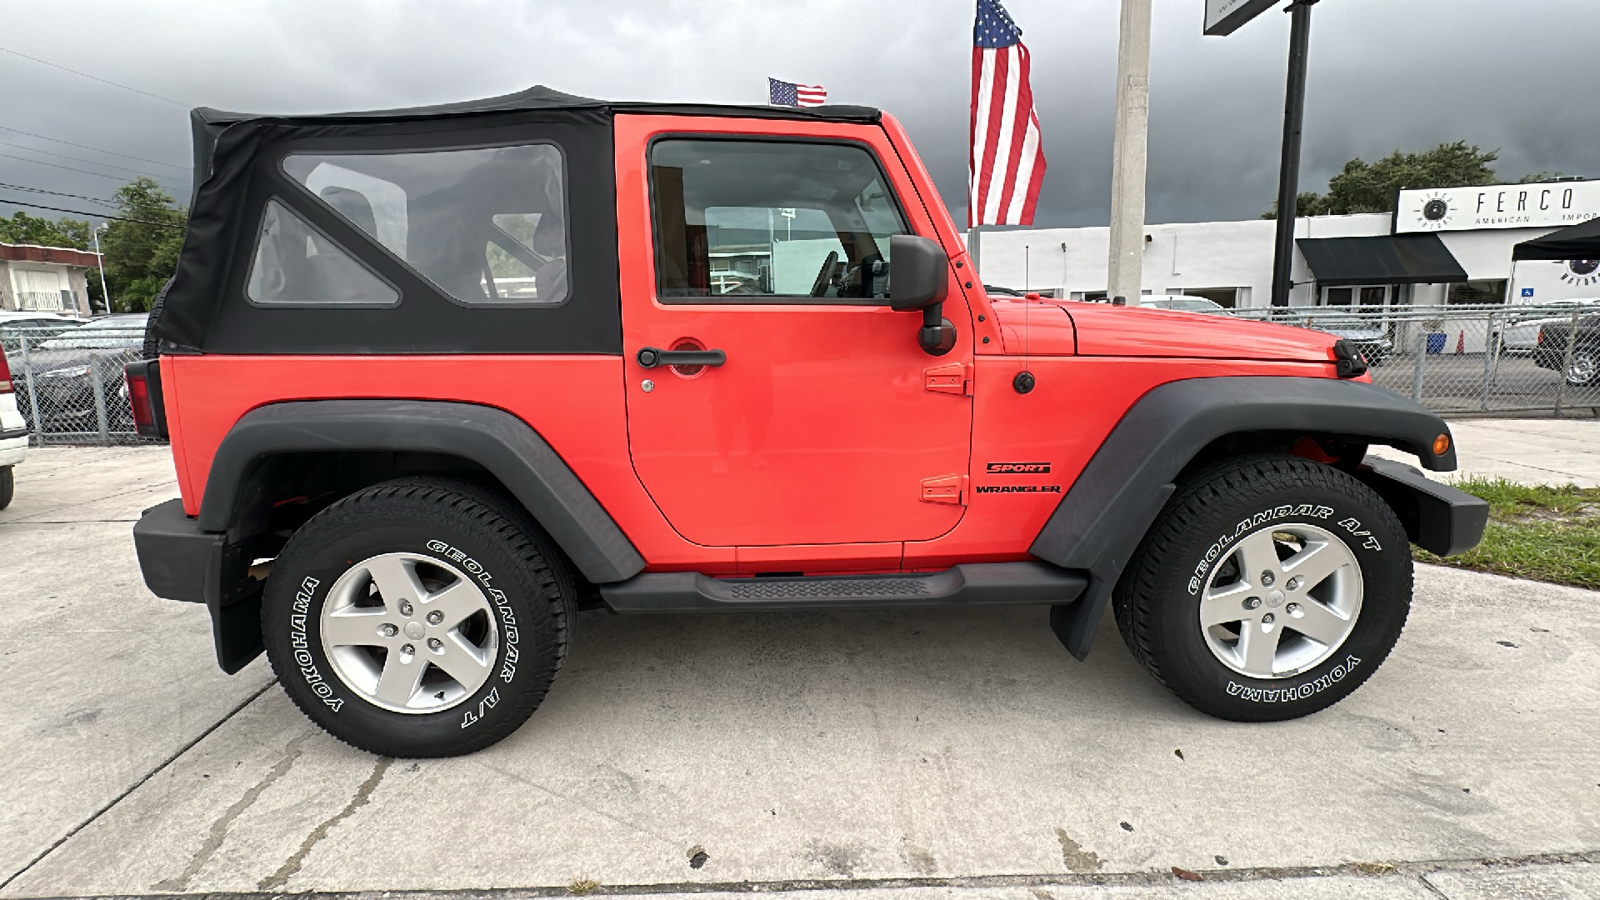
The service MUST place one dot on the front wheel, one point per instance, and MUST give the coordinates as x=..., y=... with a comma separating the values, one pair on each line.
x=7, y=486
x=1584, y=369
x=418, y=618
x=1269, y=588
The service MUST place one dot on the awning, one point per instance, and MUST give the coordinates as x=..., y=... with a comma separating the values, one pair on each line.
x=1580, y=241
x=1386, y=259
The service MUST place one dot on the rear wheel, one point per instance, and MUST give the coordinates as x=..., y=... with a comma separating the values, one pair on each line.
x=1269, y=588
x=418, y=618
x=7, y=486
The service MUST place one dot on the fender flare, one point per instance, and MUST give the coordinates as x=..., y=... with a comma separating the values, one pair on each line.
x=503, y=444
x=1104, y=516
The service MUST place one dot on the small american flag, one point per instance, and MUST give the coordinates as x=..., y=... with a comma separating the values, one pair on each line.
x=787, y=93
x=1006, y=165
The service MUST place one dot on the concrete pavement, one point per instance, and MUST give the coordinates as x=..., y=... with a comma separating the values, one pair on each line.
x=958, y=753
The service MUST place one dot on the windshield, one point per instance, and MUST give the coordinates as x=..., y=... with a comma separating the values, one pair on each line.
x=126, y=334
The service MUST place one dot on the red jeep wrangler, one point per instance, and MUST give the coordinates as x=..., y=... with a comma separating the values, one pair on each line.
x=437, y=378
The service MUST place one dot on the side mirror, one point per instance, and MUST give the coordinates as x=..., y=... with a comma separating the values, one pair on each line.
x=919, y=278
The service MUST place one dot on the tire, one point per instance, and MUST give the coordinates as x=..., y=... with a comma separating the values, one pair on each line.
x=1585, y=368
x=1194, y=551
x=152, y=344
x=328, y=603
x=8, y=486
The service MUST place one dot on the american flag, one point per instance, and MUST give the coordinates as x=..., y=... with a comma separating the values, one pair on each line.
x=787, y=93
x=1006, y=164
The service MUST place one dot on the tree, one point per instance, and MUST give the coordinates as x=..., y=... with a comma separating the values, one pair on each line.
x=22, y=228
x=1363, y=187
x=141, y=249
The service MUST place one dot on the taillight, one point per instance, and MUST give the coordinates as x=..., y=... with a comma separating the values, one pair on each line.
x=144, y=398
x=1540, y=341
x=144, y=416
x=5, y=374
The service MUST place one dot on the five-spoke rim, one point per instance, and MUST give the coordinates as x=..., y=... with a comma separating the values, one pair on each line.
x=1583, y=367
x=1283, y=601
x=409, y=633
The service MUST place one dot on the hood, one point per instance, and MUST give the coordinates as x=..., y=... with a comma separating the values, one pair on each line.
x=1104, y=330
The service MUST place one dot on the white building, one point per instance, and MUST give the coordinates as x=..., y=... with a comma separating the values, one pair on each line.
x=1441, y=246
x=46, y=279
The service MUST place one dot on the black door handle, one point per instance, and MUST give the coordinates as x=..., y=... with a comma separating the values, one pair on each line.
x=651, y=357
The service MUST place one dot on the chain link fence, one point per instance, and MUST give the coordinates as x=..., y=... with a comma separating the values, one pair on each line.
x=69, y=379
x=1455, y=360
x=1460, y=360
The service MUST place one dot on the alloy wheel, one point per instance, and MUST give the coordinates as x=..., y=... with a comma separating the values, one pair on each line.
x=1282, y=602
x=409, y=633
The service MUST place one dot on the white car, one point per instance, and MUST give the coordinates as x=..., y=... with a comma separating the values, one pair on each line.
x=13, y=434
x=1521, y=335
x=1183, y=303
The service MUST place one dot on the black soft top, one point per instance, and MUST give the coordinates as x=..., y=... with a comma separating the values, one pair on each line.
x=209, y=123
x=235, y=175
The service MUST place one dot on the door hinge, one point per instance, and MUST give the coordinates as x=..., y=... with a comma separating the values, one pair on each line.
x=954, y=378
x=945, y=489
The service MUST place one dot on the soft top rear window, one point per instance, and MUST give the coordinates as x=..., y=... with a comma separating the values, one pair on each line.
x=486, y=225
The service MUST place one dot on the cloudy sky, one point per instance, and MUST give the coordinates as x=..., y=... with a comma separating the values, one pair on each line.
x=1385, y=74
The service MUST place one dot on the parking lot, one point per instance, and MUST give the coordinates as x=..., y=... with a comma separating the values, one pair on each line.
x=955, y=752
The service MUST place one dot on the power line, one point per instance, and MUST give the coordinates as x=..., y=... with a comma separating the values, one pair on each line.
x=91, y=162
x=68, y=168
x=22, y=187
x=95, y=215
x=46, y=62
x=95, y=149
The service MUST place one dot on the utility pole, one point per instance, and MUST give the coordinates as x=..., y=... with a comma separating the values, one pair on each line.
x=1125, y=262
x=1294, y=108
x=105, y=295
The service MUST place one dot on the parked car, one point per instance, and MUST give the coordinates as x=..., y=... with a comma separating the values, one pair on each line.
x=60, y=369
x=1550, y=350
x=402, y=482
x=1368, y=337
x=13, y=434
x=1521, y=333
x=36, y=326
x=1184, y=303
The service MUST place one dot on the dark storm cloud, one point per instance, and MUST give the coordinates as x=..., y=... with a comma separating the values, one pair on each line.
x=1384, y=74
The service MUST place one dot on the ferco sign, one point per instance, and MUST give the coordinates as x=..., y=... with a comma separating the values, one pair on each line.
x=1541, y=205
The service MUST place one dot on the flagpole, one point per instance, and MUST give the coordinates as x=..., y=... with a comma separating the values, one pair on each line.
x=1125, y=261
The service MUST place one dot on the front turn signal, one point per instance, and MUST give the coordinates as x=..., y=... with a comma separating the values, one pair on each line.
x=1441, y=445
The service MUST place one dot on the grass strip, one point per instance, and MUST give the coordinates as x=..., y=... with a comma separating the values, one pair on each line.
x=1538, y=532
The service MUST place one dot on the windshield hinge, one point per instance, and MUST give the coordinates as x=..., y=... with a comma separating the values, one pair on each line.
x=945, y=489
x=952, y=378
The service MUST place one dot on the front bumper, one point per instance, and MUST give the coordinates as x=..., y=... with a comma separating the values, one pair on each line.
x=181, y=562
x=1437, y=517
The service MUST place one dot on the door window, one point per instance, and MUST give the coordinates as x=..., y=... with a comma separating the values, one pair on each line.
x=744, y=220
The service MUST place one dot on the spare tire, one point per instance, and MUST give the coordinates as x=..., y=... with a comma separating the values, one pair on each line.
x=152, y=344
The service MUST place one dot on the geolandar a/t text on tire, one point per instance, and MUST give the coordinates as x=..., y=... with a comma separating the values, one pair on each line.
x=437, y=378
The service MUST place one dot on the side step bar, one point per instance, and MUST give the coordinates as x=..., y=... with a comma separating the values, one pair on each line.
x=978, y=583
